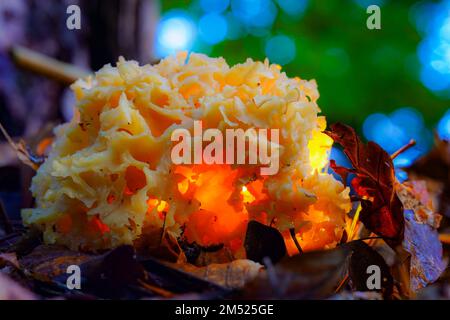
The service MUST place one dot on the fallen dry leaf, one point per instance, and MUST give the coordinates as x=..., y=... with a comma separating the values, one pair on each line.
x=9, y=258
x=421, y=235
x=233, y=275
x=109, y=274
x=46, y=262
x=415, y=196
x=435, y=169
x=422, y=242
x=318, y=274
x=201, y=256
x=311, y=275
x=374, y=181
x=357, y=295
x=263, y=241
x=10, y=290
x=172, y=279
x=364, y=256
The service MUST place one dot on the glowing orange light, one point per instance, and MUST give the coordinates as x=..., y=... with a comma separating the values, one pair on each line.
x=319, y=148
x=152, y=203
x=162, y=206
x=248, y=197
x=183, y=186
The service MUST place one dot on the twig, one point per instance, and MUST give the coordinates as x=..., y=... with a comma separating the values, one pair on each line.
x=22, y=152
x=444, y=238
x=294, y=238
x=163, y=228
x=46, y=66
x=410, y=144
x=342, y=284
x=159, y=291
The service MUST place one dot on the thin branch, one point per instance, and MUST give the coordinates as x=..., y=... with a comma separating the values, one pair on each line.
x=46, y=66
x=22, y=152
x=410, y=144
x=294, y=238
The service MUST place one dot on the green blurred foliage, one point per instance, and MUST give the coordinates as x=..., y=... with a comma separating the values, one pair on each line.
x=359, y=71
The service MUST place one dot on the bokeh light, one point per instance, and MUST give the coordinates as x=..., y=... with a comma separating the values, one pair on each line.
x=212, y=28
x=394, y=131
x=257, y=15
x=443, y=127
x=235, y=28
x=175, y=31
x=216, y=6
x=293, y=7
x=366, y=3
x=280, y=49
x=434, y=50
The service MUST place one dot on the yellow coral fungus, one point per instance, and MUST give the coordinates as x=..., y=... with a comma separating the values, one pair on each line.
x=109, y=174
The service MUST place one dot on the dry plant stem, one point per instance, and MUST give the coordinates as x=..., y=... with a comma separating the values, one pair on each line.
x=159, y=291
x=8, y=137
x=410, y=144
x=46, y=66
x=342, y=283
x=354, y=224
x=294, y=238
x=20, y=149
x=444, y=238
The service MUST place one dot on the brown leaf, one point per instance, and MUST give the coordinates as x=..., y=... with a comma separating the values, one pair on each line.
x=109, y=274
x=317, y=274
x=200, y=256
x=311, y=275
x=362, y=258
x=374, y=181
x=27, y=242
x=159, y=244
x=46, y=262
x=263, y=241
x=233, y=275
x=172, y=279
x=435, y=169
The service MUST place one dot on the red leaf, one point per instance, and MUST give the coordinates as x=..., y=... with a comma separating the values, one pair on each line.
x=382, y=211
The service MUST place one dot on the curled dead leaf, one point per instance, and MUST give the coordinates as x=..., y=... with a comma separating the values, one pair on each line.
x=233, y=275
x=46, y=262
x=109, y=275
x=312, y=275
x=435, y=169
x=263, y=241
x=364, y=264
x=374, y=181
